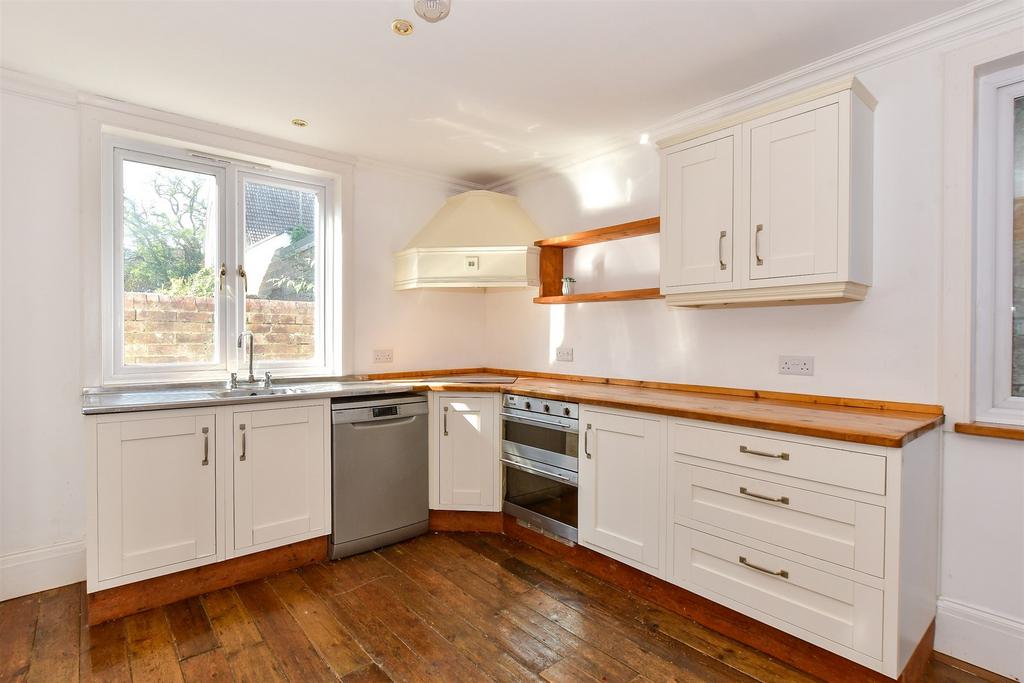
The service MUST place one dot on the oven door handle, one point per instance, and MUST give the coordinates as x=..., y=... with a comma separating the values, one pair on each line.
x=533, y=420
x=539, y=473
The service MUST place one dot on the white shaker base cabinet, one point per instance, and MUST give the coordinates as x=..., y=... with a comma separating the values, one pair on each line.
x=167, y=490
x=156, y=493
x=281, y=474
x=621, y=492
x=465, y=468
x=833, y=542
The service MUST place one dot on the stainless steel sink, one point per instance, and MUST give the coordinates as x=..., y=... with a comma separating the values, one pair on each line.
x=255, y=391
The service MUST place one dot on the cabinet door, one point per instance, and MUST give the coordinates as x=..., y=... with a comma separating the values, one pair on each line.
x=697, y=227
x=794, y=195
x=156, y=493
x=620, y=494
x=279, y=462
x=467, y=450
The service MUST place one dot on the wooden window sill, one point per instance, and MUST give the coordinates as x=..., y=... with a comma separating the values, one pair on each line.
x=996, y=431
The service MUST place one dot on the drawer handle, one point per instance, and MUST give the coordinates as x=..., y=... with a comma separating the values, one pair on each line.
x=781, y=499
x=586, y=443
x=206, y=446
x=780, y=456
x=241, y=427
x=721, y=258
x=782, y=573
x=757, y=244
x=446, y=420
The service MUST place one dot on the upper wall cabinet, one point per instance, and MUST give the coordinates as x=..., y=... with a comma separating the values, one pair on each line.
x=772, y=206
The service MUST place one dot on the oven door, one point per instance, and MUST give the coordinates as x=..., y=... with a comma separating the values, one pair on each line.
x=555, y=443
x=542, y=495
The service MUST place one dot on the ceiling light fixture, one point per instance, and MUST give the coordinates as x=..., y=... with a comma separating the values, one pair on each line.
x=645, y=138
x=301, y=123
x=432, y=11
x=401, y=27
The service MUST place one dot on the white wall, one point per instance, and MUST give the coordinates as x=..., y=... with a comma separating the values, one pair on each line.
x=48, y=327
x=427, y=329
x=885, y=347
x=42, y=494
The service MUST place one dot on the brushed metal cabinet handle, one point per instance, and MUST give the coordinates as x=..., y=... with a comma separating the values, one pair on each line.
x=586, y=442
x=778, y=456
x=757, y=244
x=782, y=573
x=242, y=456
x=446, y=420
x=721, y=257
x=781, y=499
x=206, y=446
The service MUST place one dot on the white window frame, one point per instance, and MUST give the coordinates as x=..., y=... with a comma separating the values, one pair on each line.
x=993, y=248
x=327, y=360
x=324, y=329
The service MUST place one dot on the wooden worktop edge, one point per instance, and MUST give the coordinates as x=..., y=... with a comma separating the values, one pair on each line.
x=840, y=401
x=837, y=433
x=813, y=399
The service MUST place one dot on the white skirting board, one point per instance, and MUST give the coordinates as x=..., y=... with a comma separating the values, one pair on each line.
x=992, y=641
x=40, y=569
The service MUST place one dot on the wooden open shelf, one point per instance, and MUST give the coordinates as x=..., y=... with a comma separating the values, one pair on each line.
x=621, y=295
x=552, y=262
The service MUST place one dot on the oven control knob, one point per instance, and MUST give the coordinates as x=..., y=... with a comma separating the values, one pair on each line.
x=567, y=412
x=547, y=408
x=527, y=405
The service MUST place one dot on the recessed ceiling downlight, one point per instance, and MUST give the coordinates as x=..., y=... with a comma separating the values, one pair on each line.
x=301, y=123
x=401, y=27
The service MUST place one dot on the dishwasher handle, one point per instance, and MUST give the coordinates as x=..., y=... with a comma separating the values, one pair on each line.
x=393, y=422
x=382, y=413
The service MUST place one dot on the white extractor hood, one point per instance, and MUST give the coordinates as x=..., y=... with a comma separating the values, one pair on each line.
x=477, y=239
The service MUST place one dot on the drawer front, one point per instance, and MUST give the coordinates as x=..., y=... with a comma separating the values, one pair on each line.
x=837, y=609
x=849, y=469
x=846, y=532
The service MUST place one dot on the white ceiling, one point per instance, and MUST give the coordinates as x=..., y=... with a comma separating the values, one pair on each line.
x=498, y=88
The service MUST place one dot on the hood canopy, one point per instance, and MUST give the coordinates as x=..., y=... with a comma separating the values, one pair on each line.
x=477, y=239
x=478, y=219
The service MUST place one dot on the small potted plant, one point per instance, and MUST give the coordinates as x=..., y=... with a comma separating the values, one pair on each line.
x=568, y=284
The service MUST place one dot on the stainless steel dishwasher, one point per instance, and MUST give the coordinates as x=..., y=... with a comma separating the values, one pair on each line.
x=379, y=471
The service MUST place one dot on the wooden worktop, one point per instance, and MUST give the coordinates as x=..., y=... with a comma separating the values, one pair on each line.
x=853, y=420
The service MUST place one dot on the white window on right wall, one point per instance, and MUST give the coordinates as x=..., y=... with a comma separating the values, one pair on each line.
x=999, y=268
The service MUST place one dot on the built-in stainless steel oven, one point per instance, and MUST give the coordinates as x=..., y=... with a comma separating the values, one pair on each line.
x=540, y=452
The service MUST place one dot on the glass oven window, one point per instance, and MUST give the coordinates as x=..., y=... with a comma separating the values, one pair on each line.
x=543, y=496
x=544, y=438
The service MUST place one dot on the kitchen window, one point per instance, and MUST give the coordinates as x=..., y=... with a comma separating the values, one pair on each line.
x=999, y=390
x=205, y=249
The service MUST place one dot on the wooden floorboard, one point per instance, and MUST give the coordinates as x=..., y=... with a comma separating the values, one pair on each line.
x=443, y=607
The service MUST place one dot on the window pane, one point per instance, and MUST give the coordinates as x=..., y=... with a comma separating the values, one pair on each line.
x=281, y=257
x=169, y=253
x=1017, y=375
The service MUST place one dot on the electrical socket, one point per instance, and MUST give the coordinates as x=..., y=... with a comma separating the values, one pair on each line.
x=564, y=353
x=383, y=355
x=796, y=365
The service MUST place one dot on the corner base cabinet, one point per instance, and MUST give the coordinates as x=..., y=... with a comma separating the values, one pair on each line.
x=171, y=490
x=465, y=469
x=772, y=206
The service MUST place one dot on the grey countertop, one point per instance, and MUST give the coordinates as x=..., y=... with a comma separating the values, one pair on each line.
x=133, y=399
x=127, y=399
